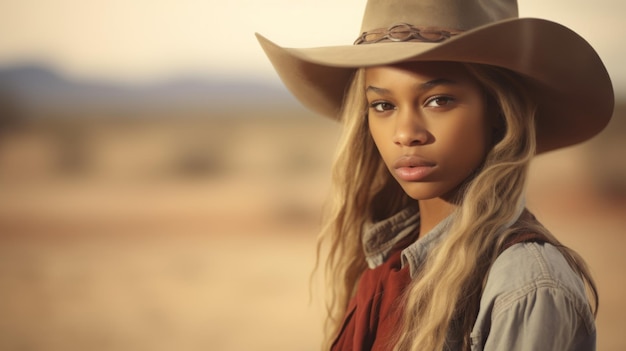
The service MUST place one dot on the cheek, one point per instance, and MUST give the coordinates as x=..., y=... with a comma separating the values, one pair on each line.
x=377, y=134
x=469, y=142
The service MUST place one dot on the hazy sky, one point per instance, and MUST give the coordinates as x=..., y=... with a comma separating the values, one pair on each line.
x=137, y=40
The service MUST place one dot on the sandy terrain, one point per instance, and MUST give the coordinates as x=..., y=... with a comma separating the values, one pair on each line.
x=223, y=263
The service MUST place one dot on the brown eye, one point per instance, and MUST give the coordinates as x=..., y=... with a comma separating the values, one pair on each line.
x=382, y=106
x=439, y=101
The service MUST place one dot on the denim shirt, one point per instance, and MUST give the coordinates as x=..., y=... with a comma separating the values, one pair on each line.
x=532, y=300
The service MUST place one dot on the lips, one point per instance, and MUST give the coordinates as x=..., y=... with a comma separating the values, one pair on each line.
x=413, y=168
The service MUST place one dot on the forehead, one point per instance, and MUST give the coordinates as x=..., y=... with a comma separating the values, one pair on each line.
x=417, y=71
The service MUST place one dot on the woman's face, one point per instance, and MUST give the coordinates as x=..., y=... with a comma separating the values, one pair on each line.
x=429, y=122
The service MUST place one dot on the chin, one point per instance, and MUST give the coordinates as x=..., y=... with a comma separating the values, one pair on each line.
x=427, y=191
x=418, y=191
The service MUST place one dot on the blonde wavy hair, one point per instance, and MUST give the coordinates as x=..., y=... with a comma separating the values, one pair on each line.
x=363, y=191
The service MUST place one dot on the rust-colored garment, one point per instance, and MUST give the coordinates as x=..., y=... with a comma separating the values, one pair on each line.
x=373, y=312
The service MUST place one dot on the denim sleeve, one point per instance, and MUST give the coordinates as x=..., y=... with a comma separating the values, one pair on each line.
x=547, y=320
x=526, y=308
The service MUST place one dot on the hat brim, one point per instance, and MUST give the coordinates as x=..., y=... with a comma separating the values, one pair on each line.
x=572, y=88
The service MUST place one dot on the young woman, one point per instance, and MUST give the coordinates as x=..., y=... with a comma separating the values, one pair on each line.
x=444, y=103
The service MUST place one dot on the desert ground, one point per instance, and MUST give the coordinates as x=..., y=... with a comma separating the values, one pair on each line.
x=202, y=235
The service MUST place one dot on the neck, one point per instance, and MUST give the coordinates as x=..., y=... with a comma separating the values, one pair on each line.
x=433, y=211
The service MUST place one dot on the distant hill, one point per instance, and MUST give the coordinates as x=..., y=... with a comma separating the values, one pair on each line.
x=39, y=91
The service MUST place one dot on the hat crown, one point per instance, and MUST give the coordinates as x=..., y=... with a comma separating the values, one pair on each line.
x=453, y=14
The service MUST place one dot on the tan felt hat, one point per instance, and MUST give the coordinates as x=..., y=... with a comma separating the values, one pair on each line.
x=569, y=81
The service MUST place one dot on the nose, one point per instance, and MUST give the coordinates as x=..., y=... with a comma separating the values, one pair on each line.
x=410, y=130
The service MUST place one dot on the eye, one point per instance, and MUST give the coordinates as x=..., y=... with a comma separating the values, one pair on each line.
x=382, y=106
x=439, y=101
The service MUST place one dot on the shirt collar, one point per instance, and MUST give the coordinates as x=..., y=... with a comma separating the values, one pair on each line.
x=381, y=237
x=415, y=254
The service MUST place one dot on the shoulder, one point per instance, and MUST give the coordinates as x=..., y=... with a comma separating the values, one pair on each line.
x=532, y=293
x=530, y=270
x=525, y=267
x=533, y=264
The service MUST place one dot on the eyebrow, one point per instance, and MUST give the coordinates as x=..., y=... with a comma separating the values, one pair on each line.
x=420, y=87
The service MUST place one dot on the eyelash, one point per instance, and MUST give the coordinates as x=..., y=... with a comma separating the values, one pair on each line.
x=376, y=104
x=447, y=99
x=389, y=106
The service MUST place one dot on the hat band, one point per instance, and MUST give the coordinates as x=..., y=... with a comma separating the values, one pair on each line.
x=405, y=32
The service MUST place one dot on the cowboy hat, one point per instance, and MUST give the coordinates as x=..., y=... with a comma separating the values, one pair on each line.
x=571, y=86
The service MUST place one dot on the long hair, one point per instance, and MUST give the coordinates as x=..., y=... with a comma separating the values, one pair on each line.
x=360, y=181
x=363, y=191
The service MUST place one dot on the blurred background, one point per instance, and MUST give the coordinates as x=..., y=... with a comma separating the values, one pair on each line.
x=161, y=190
